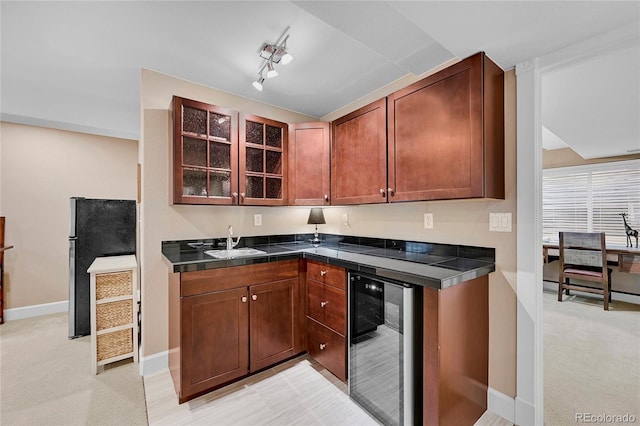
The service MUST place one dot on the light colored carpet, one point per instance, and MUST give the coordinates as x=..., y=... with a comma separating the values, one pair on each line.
x=46, y=379
x=591, y=359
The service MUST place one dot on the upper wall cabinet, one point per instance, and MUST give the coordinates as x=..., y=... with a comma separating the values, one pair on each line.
x=309, y=159
x=205, y=153
x=359, y=156
x=263, y=161
x=223, y=157
x=446, y=134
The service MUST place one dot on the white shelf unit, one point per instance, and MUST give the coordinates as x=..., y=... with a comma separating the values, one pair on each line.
x=114, y=310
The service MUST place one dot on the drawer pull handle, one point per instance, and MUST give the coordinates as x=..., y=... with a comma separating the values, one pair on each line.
x=254, y=297
x=323, y=304
x=322, y=346
x=323, y=273
x=244, y=299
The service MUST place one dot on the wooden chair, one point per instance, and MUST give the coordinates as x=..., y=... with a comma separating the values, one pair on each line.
x=583, y=256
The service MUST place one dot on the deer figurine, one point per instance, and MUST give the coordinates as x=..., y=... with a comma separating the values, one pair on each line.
x=630, y=232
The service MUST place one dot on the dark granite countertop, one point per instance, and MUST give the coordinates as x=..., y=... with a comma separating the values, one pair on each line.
x=427, y=264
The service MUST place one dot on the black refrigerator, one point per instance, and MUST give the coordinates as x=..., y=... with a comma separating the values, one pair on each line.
x=97, y=228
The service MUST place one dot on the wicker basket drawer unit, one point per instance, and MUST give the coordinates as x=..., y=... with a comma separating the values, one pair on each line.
x=114, y=325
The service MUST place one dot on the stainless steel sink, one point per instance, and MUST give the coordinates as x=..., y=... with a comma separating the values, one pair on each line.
x=230, y=254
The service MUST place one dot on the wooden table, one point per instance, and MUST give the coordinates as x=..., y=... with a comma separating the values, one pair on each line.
x=628, y=257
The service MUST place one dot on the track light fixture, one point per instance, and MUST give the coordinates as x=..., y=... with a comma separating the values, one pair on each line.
x=258, y=83
x=271, y=72
x=272, y=54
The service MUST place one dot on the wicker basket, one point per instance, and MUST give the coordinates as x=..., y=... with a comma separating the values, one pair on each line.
x=113, y=285
x=113, y=314
x=114, y=344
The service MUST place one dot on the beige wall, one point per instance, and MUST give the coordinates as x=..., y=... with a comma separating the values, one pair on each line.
x=40, y=169
x=459, y=222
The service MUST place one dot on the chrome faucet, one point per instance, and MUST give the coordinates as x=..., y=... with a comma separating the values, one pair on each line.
x=230, y=243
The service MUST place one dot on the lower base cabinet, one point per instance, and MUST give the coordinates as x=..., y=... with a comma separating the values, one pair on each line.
x=456, y=353
x=327, y=316
x=230, y=322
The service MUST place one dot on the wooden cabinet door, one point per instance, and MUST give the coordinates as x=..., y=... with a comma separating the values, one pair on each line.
x=272, y=322
x=359, y=156
x=205, y=153
x=309, y=152
x=215, y=339
x=441, y=145
x=262, y=161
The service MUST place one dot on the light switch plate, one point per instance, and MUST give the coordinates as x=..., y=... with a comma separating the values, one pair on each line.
x=428, y=221
x=500, y=222
x=257, y=219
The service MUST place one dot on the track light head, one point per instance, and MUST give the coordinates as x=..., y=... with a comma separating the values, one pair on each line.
x=271, y=72
x=258, y=83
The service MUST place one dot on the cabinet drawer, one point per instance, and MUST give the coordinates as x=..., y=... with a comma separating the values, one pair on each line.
x=210, y=280
x=327, y=305
x=327, y=347
x=327, y=274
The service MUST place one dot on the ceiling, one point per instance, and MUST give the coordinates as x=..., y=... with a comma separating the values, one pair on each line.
x=76, y=65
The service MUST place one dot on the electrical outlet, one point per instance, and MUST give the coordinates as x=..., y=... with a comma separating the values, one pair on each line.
x=345, y=219
x=257, y=219
x=428, y=221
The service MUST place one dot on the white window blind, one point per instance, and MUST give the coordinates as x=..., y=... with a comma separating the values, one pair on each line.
x=590, y=199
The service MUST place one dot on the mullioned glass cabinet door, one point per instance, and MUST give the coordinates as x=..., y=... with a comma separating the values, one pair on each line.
x=263, y=161
x=205, y=153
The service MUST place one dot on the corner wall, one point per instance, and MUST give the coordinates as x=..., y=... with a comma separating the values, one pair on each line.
x=41, y=169
x=457, y=222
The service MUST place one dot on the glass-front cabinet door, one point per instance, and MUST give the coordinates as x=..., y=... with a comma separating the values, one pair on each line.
x=205, y=153
x=263, y=161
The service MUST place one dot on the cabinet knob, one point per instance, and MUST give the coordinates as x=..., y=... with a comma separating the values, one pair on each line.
x=323, y=304
x=234, y=195
x=254, y=297
x=326, y=197
x=391, y=191
x=244, y=299
x=323, y=273
x=382, y=192
x=242, y=195
x=322, y=346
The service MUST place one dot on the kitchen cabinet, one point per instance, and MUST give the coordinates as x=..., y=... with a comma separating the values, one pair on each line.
x=227, y=323
x=359, y=156
x=446, y=134
x=309, y=160
x=456, y=353
x=263, y=161
x=224, y=157
x=327, y=316
x=205, y=153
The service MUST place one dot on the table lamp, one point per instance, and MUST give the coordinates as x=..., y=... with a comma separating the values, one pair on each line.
x=316, y=217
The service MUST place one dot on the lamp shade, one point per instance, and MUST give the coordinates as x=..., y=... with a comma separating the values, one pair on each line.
x=316, y=217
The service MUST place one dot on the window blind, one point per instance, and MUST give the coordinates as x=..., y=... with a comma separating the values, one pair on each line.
x=590, y=199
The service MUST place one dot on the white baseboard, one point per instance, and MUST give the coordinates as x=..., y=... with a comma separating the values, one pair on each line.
x=525, y=413
x=36, y=310
x=501, y=404
x=621, y=297
x=155, y=363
